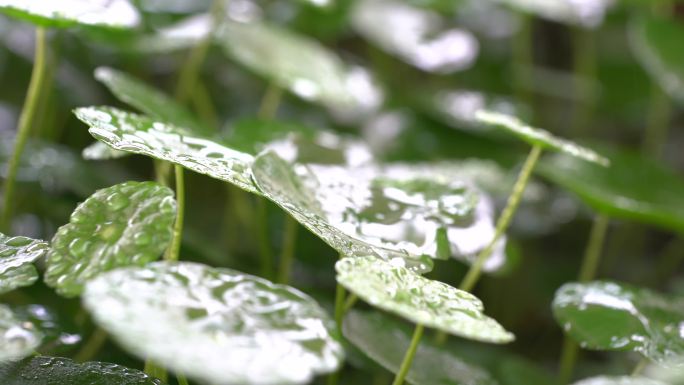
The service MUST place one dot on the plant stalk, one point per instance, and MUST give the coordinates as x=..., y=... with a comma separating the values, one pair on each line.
x=172, y=253
x=339, y=305
x=523, y=59
x=504, y=220
x=408, y=357
x=181, y=379
x=92, y=346
x=659, y=113
x=289, y=243
x=263, y=238
x=640, y=366
x=154, y=370
x=584, y=66
x=26, y=119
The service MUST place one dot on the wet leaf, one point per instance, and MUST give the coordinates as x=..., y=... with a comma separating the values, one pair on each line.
x=127, y=224
x=634, y=187
x=385, y=342
x=142, y=135
x=68, y=13
x=610, y=316
x=538, y=137
x=615, y=380
x=17, y=339
x=57, y=335
x=100, y=151
x=45, y=370
x=586, y=14
x=178, y=36
x=394, y=288
x=17, y=255
x=254, y=135
x=242, y=329
x=654, y=42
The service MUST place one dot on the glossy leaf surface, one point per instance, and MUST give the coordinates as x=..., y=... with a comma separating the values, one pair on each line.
x=538, y=137
x=615, y=380
x=17, y=255
x=127, y=224
x=17, y=339
x=45, y=370
x=139, y=134
x=396, y=289
x=586, y=14
x=611, y=316
x=67, y=13
x=242, y=329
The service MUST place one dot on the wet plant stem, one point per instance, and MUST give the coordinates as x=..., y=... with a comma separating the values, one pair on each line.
x=181, y=379
x=640, y=366
x=289, y=244
x=339, y=305
x=92, y=346
x=172, y=253
x=154, y=370
x=408, y=357
x=26, y=119
x=504, y=220
x=590, y=264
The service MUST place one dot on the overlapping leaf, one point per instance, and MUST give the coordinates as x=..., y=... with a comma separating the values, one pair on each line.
x=611, y=316
x=396, y=289
x=242, y=329
x=67, y=13
x=17, y=255
x=615, y=380
x=586, y=14
x=43, y=370
x=126, y=224
x=17, y=339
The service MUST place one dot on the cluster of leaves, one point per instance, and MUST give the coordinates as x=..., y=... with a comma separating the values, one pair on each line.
x=394, y=207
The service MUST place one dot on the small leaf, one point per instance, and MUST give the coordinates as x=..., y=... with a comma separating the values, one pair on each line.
x=43, y=370
x=142, y=135
x=396, y=289
x=100, y=151
x=68, y=13
x=17, y=255
x=184, y=34
x=385, y=342
x=584, y=14
x=216, y=325
x=655, y=44
x=127, y=224
x=615, y=380
x=17, y=339
x=611, y=316
x=634, y=187
x=538, y=137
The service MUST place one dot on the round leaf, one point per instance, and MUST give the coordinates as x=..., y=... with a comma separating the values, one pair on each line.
x=217, y=325
x=612, y=316
x=614, y=380
x=538, y=137
x=633, y=187
x=44, y=370
x=17, y=255
x=101, y=151
x=68, y=13
x=17, y=339
x=396, y=289
x=586, y=14
x=127, y=224
x=142, y=135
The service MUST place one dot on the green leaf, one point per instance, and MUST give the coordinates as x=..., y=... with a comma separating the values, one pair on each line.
x=585, y=14
x=385, y=342
x=100, y=151
x=44, y=370
x=68, y=13
x=654, y=42
x=634, y=187
x=615, y=380
x=538, y=137
x=17, y=255
x=127, y=224
x=610, y=316
x=396, y=289
x=142, y=135
x=216, y=325
x=254, y=135
x=17, y=339
x=184, y=34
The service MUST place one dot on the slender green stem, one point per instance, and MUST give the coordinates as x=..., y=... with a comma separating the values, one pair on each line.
x=408, y=357
x=270, y=102
x=202, y=103
x=92, y=346
x=181, y=379
x=584, y=66
x=289, y=243
x=339, y=305
x=154, y=370
x=504, y=220
x=28, y=114
x=173, y=251
x=265, y=253
x=349, y=303
x=590, y=263
x=640, y=366
x=659, y=113
x=523, y=59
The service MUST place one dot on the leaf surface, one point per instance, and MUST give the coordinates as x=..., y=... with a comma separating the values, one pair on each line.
x=68, y=13
x=17, y=339
x=17, y=255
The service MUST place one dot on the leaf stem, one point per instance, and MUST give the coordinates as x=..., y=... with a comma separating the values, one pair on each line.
x=173, y=251
x=289, y=246
x=154, y=370
x=263, y=238
x=270, y=102
x=584, y=66
x=640, y=366
x=28, y=114
x=504, y=220
x=523, y=59
x=659, y=113
x=181, y=379
x=92, y=346
x=408, y=357
x=349, y=303
x=339, y=305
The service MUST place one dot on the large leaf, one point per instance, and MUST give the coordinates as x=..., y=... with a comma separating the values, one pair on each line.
x=655, y=44
x=17, y=339
x=57, y=332
x=385, y=342
x=217, y=325
x=634, y=187
x=67, y=13
x=44, y=370
x=583, y=13
x=142, y=135
x=182, y=35
x=396, y=289
x=17, y=255
x=416, y=35
x=127, y=224
x=538, y=137
x=611, y=316
x=615, y=380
